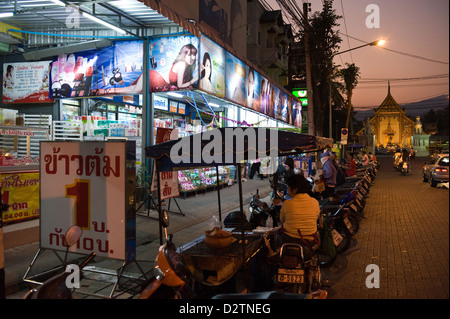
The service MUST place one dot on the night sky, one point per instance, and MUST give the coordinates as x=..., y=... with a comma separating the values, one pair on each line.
x=415, y=56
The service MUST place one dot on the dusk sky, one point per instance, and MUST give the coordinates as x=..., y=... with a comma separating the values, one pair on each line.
x=418, y=32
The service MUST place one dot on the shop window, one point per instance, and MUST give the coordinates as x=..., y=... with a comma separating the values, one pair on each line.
x=70, y=109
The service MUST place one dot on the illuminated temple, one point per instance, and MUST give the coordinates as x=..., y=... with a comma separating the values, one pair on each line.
x=390, y=125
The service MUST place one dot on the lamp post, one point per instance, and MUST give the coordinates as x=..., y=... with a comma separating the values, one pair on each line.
x=374, y=43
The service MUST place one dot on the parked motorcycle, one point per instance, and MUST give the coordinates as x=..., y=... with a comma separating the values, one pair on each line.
x=170, y=273
x=296, y=268
x=405, y=168
x=336, y=227
x=259, y=210
x=56, y=287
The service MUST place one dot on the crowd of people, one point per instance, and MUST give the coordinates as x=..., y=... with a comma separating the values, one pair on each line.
x=299, y=213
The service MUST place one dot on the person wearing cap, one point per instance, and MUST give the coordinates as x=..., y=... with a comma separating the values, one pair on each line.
x=283, y=172
x=329, y=174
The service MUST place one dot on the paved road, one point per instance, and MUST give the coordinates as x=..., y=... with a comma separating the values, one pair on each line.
x=406, y=235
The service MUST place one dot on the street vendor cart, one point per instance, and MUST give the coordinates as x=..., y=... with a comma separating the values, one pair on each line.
x=226, y=146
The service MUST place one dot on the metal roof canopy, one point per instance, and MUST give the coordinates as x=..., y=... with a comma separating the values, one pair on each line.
x=46, y=20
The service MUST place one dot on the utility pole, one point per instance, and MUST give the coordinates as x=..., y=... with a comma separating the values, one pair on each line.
x=311, y=128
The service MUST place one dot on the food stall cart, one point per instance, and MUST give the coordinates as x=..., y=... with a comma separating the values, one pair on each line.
x=226, y=146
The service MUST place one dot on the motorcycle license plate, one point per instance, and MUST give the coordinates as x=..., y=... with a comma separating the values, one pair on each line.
x=348, y=223
x=337, y=238
x=294, y=276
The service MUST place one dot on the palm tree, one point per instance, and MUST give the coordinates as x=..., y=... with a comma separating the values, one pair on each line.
x=350, y=75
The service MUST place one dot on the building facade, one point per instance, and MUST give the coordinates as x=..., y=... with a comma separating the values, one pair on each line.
x=268, y=41
x=390, y=125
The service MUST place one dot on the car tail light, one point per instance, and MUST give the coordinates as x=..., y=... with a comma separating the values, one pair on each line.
x=443, y=170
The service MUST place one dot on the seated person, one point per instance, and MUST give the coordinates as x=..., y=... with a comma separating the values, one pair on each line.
x=298, y=216
x=350, y=165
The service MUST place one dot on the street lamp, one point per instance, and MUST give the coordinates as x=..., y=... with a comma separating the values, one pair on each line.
x=373, y=43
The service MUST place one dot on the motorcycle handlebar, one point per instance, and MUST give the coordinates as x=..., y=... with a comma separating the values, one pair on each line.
x=87, y=260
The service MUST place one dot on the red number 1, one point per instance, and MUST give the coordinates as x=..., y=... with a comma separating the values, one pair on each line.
x=80, y=191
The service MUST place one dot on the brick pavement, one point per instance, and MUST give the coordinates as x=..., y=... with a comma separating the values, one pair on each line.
x=406, y=234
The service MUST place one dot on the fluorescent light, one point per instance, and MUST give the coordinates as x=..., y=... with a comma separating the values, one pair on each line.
x=6, y=14
x=106, y=24
x=175, y=94
x=214, y=104
x=59, y=3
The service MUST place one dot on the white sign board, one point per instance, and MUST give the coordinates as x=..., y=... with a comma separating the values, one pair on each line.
x=88, y=184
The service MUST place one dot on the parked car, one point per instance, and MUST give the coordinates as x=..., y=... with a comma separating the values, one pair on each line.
x=436, y=170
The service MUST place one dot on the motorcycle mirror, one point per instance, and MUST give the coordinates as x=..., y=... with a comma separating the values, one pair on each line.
x=165, y=219
x=73, y=234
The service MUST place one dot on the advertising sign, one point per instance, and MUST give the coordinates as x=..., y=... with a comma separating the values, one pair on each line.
x=160, y=103
x=212, y=67
x=297, y=114
x=114, y=70
x=168, y=180
x=89, y=184
x=281, y=105
x=21, y=192
x=26, y=82
x=173, y=63
x=117, y=70
x=236, y=71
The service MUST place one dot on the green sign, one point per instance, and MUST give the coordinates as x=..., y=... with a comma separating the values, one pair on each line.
x=302, y=95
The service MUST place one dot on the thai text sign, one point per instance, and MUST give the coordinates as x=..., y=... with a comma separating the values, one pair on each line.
x=26, y=82
x=168, y=180
x=89, y=184
x=21, y=192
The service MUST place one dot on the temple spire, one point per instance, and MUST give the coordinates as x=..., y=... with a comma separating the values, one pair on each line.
x=389, y=87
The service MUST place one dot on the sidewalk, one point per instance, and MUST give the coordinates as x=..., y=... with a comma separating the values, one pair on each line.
x=406, y=234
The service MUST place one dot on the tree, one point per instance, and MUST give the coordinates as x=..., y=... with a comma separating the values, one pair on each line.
x=324, y=43
x=350, y=75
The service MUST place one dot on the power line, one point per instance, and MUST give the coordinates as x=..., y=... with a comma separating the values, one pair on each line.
x=409, y=79
x=401, y=85
x=345, y=26
x=399, y=52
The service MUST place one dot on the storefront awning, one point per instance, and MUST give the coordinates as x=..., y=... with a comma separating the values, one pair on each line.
x=189, y=152
x=168, y=13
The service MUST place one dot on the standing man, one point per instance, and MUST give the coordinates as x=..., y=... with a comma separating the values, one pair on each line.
x=255, y=168
x=329, y=174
